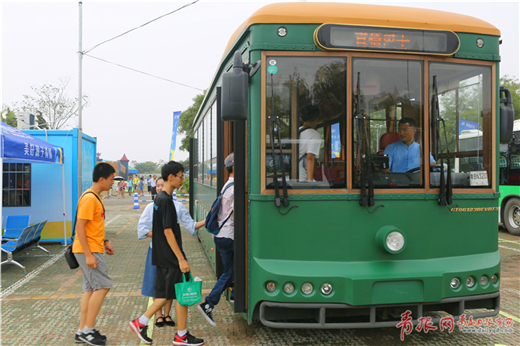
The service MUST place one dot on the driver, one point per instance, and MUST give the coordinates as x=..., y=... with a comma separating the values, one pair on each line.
x=405, y=154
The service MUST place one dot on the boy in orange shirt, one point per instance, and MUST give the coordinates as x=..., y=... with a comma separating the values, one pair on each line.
x=88, y=249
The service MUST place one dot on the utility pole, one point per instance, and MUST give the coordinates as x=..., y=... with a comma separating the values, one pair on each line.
x=80, y=103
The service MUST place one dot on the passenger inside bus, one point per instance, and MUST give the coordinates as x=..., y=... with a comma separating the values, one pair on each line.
x=309, y=142
x=405, y=154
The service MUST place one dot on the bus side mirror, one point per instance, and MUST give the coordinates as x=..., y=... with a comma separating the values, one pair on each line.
x=507, y=116
x=235, y=84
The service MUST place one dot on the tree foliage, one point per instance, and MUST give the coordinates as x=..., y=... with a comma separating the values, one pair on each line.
x=8, y=116
x=147, y=167
x=186, y=121
x=51, y=105
x=513, y=84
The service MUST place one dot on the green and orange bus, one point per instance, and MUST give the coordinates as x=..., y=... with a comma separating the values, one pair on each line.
x=355, y=245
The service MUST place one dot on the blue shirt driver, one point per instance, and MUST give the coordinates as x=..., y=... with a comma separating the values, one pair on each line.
x=405, y=154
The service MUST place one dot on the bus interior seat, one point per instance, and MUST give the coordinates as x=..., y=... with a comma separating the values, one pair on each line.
x=515, y=161
x=335, y=173
x=387, y=139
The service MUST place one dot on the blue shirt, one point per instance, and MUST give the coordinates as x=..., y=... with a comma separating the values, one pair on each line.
x=403, y=157
x=146, y=219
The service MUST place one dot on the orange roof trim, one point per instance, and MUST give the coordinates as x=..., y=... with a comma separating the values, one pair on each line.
x=356, y=14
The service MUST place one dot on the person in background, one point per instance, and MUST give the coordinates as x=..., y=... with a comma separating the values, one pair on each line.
x=224, y=241
x=149, y=184
x=150, y=271
x=153, y=183
x=136, y=182
x=140, y=187
x=88, y=247
x=309, y=142
x=120, y=189
x=130, y=186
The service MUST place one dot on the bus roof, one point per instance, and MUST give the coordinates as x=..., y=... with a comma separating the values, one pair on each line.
x=357, y=14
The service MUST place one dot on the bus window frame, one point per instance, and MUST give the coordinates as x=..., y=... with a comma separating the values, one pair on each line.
x=425, y=166
x=494, y=114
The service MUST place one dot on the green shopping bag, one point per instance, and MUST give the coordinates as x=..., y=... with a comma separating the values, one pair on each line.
x=188, y=292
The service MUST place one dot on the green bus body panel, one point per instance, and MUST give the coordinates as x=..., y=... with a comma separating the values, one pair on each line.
x=507, y=191
x=300, y=37
x=469, y=50
x=336, y=243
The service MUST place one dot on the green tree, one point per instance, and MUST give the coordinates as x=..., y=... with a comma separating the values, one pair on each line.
x=51, y=105
x=147, y=167
x=513, y=84
x=185, y=164
x=186, y=121
x=8, y=116
x=185, y=188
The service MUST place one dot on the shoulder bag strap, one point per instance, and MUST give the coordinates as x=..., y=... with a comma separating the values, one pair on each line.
x=76, y=218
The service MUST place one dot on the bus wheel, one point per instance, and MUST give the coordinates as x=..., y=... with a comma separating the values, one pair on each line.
x=512, y=216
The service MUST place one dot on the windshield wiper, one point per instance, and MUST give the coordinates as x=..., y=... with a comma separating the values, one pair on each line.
x=364, y=152
x=445, y=186
x=274, y=121
x=359, y=119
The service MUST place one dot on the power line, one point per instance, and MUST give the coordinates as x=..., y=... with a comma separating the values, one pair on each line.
x=153, y=20
x=145, y=73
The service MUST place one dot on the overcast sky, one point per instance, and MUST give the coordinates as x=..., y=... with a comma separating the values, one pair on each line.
x=132, y=113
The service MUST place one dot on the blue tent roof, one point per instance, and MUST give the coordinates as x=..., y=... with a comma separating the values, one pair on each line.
x=19, y=146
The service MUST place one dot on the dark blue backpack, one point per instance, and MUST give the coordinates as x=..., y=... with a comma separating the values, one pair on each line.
x=212, y=217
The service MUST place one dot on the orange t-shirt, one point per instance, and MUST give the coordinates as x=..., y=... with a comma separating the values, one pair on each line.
x=91, y=209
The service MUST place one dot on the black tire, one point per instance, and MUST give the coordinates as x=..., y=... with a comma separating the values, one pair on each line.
x=511, y=215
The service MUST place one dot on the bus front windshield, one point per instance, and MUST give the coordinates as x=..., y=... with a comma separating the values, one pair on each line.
x=309, y=138
x=388, y=127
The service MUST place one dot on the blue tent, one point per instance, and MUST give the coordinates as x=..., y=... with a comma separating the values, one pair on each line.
x=18, y=146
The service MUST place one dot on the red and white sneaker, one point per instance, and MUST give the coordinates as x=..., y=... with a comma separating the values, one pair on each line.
x=187, y=339
x=140, y=330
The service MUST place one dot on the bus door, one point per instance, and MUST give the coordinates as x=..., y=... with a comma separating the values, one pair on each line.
x=232, y=138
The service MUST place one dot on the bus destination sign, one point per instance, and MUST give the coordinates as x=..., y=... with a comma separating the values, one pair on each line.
x=354, y=37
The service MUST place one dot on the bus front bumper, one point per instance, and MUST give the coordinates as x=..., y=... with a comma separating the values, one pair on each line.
x=344, y=316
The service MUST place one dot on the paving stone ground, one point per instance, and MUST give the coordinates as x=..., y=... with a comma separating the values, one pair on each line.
x=41, y=307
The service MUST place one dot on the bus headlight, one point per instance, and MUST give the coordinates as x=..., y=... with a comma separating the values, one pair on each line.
x=391, y=239
x=470, y=281
x=307, y=288
x=455, y=283
x=395, y=241
x=270, y=286
x=484, y=281
x=288, y=288
x=326, y=289
x=494, y=279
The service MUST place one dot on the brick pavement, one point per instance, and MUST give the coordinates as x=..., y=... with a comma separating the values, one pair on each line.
x=42, y=306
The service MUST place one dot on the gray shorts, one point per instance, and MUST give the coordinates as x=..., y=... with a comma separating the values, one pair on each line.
x=94, y=278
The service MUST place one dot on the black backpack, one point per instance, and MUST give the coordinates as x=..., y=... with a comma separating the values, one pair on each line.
x=212, y=217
